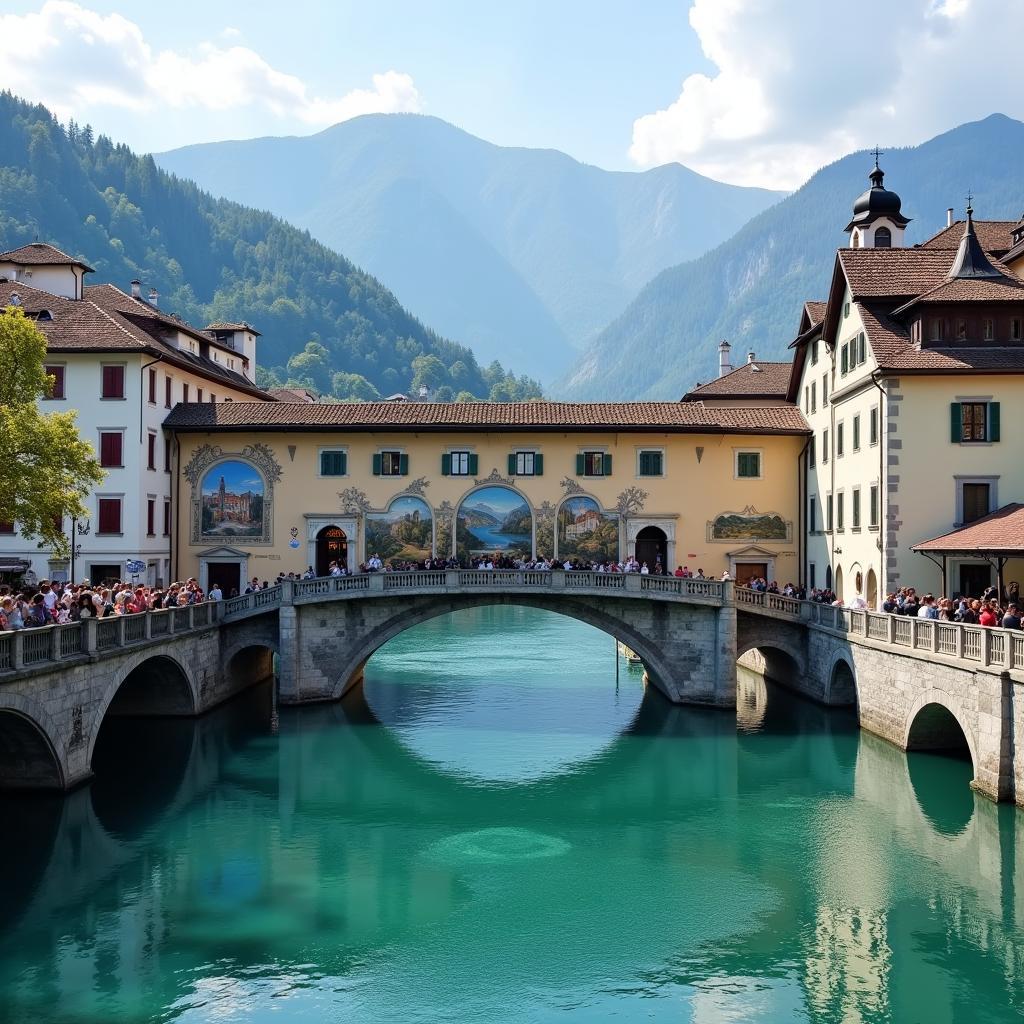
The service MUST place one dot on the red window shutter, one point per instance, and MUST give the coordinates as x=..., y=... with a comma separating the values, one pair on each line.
x=199, y=394
x=113, y=382
x=167, y=519
x=111, y=444
x=6, y=527
x=57, y=373
x=150, y=517
x=152, y=452
x=184, y=392
x=167, y=391
x=110, y=515
x=152, y=386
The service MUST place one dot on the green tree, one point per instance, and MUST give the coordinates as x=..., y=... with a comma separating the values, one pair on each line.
x=46, y=469
x=353, y=387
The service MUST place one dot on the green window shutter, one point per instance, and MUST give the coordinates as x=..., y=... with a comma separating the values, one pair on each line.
x=538, y=465
x=993, y=421
x=512, y=464
x=342, y=463
x=446, y=464
x=844, y=360
x=581, y=464
x=376, y=464
x=474, y=464
x=607, y=464
x=956, y=422
x=403, y=465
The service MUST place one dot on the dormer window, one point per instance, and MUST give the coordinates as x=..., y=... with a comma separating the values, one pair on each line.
x=989, y=330
x=961, y=330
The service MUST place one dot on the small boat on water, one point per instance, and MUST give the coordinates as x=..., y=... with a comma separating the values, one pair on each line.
x=629, y=654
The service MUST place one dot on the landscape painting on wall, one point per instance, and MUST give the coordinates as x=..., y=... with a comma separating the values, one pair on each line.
x=749, y=525
x=405, y=532
x=231, y=497
x=493, y=520
x=587, y=533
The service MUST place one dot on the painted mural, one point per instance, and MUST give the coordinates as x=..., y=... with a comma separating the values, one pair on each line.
x=587, y=533
x=749, y=525
x=231, y=500
x=404, y=532
x=493, y=519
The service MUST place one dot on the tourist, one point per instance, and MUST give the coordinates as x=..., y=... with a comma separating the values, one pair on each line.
x=215, y=593
x=1011, y=620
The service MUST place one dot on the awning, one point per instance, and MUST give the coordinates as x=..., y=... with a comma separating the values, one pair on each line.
x=999, y=534
x=13, y=564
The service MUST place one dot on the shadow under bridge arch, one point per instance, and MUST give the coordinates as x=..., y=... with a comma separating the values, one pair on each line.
x=774, y=647
x=611, y=616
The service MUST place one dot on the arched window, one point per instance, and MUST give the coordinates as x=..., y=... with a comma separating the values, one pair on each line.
x=855, y=240
x=883, y=238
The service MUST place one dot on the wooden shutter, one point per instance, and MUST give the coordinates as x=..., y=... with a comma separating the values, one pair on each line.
x=403, y=465
x=111, y=449
x=150, y=517
x=538, y=464
x=581, y=464
x=474, y=464
x=446, y=464
x=993, y=421
x=512, y=464
x=845, y=359
x=376, y=464
x=607, y=464
x=956, y=422
x=109, y=515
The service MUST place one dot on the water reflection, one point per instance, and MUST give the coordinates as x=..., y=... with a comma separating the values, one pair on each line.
x=354, y=867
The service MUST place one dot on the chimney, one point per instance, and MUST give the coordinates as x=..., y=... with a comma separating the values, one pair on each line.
x=750, y=358
x=724, y=366
x=949, y=216
x=154, y=297
x=136, y=289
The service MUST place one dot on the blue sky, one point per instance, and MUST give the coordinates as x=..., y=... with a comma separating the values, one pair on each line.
x=238, y=478
x=750, y=91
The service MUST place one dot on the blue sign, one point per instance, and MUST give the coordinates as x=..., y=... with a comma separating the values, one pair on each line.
x=135, y=566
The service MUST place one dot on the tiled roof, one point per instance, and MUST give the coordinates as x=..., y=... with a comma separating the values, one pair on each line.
x=971, y=289
x=751, y=380
x=894, y=351
x=108, y=320
x=292, y=395
x=226, y=325
x=994, y=235
x=815, y=311
x=894, y=273
x=683, y=417
x=1000, y=532
x=40, y=254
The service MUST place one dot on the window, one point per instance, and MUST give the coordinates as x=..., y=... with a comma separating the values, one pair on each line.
x=988, y=330
x=167, y=455
x=460, y=463
x=862, y=349
x=213, y=398
x=111, y=449
x=651, y=463
x=814, y=352
x=855, y=511
x=839, y=440
x=812, y=513
x=824, y=390
x=109, y=515
x=915, y=332
x=57, y=373
x=167, y=391
x=152, y=386
x=748, y=465
x=390, y=463
x=813, y=570
x=333, y=463
x=828, y=513
x=844, y=364
x=807, y=399
x=810, y=453
x=525, y=464
x=593, y=464
x=112, y=381
x=184, y=391
x=151, y=517
x=975, y=500
x=199, y=394
x=814, y=396
x=840, y=511
x=856, y=433
x=151, y=451
x=873, y=507
x=824, y=447
x=961, y=330
x=873, y=425
x=1015, y=329
x=167, y=518
x=973, y=421
x=846, y=310
x=7, y=528
x=938, y=329
x=883, y=238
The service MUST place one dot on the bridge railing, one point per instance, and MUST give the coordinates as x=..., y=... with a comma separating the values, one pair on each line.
x=988, y=646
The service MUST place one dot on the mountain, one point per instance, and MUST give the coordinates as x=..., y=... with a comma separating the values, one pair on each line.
x=326, y=324
x=520, y=253
x=750, y=289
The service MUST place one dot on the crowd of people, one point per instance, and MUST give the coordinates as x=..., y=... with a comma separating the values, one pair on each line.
x=991, y=609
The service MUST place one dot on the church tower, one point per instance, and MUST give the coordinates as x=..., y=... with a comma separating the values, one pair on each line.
x=877, y=221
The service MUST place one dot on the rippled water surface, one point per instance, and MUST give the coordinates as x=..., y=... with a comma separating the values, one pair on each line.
x=500, y=827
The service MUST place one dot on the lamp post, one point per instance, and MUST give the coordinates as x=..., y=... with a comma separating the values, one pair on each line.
x=77, y=530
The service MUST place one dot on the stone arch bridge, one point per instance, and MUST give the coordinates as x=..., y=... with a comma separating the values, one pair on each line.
x=916, y=683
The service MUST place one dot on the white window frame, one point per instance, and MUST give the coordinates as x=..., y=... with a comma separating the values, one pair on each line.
x=459, y=461
x=737, y=452
x=523, y=454
x=340, y=449
x=593, y=449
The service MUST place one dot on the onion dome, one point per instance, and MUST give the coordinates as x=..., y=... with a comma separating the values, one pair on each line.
x=877, y=201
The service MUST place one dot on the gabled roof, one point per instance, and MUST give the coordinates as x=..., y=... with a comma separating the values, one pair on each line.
x=893, y=273
x=751, y=380
x=293, y=395
x=815, y=311
x=661, y=417
x=41, y=254
x=995, y=236
x=226, y=325
x=995, y=289
x=999, y=533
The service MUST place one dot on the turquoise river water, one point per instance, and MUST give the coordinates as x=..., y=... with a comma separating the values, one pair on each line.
x=499, y=827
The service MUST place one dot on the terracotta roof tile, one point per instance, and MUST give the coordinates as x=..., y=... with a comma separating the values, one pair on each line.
x=226, y=325
x=815, y=311
x=683, y=417
x=1001, y=531
x=994, y=235
x=751, y=380
x=971, y=289
x=894, y=273
x=40, y=254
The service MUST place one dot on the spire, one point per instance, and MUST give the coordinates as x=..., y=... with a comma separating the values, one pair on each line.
x=971, y=260
x=877, y=176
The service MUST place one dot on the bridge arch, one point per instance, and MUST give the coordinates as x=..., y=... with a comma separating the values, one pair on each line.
x=936, y=723
x=29, y=746
x=659, y=669
x=149, y=683
x=841, y=681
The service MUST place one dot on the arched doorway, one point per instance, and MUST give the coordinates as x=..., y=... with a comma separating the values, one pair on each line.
x=331, y=546
x=652, y=548
x=839, y=582
x=872, y=594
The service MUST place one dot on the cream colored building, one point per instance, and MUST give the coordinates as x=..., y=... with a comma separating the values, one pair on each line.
x=676, y=482
x=903, y=375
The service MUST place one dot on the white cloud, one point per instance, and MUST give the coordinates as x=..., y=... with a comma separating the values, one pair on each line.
x=799, y=83
x=74, y=59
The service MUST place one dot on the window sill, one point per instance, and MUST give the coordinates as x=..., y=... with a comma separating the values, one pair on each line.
x=855, y=529
x=98, y=534
x=112, y=398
